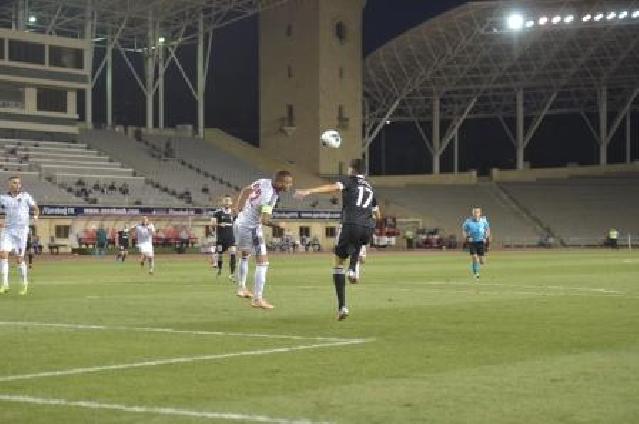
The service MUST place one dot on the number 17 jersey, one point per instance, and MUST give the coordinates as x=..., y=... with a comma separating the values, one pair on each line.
x=358, y=201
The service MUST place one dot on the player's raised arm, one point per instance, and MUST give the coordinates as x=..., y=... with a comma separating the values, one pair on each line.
x=327, y=188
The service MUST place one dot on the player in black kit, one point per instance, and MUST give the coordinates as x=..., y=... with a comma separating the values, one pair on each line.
x=223, y=221
x=123, y=244
x=358, y=200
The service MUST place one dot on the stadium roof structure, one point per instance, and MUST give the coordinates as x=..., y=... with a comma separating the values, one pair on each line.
x=153, y=28
x=504, y=59
x=128, y=19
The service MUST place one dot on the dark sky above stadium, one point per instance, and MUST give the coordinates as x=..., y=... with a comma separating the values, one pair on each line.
x=232, y=101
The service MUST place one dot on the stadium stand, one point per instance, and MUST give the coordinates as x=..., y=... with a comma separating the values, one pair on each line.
x=70, y=173
x=196, y=171
x=580, y=210
x=448, y=205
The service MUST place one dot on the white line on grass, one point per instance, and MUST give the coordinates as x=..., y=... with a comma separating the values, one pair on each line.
x=151, y=410
x=517, y=286
x=170, y=361
x=168, y=330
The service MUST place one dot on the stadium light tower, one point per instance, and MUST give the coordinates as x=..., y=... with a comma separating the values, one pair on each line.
x=32, y=19
x=515, y=21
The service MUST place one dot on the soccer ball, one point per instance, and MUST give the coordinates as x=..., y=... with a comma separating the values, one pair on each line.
x=331, y=138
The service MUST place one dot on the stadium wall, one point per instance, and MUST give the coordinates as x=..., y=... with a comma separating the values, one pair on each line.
x=424, y=179
x=501, y=175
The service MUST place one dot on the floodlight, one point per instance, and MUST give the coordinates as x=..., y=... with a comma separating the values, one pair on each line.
x=515, y=21
x=530, y=24
x=623, y=15
x=611, y=15
x=33, y=19
x=161, y=40
x=556, y=20
x=543, y=20
x=599, y=16
x=587, y=18
x=635, y=14
x=569, y=19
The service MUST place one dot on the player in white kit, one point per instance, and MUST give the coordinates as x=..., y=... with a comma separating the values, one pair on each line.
x=144, y=236
x=256, y=203
x=15, y=230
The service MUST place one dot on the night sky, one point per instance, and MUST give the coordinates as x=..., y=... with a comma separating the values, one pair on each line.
x=232, y=102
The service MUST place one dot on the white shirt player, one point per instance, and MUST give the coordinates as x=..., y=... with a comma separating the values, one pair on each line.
x=262, y=198
x=17, y=210
x=144, y=234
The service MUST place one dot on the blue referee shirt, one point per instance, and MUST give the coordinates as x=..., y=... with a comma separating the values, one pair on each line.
x=476, y=229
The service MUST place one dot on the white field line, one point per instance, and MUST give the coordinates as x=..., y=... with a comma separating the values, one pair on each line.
x=171, y=361
x=168, y=331
x=152, y=410
x=509, y=285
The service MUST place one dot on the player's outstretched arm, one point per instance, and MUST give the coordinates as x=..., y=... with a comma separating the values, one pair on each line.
x=323, y=189
x=36, y=212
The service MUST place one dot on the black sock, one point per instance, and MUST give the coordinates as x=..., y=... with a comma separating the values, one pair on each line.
x=340, y=286
x=219, y=262
x=30, y=259
x=232, y=263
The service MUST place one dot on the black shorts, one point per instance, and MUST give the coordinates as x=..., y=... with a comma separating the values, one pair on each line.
x=223, y=244
x=477, y=248
x=124, y=246
x=351, y=239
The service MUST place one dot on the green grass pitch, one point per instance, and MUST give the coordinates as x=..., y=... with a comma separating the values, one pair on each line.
x=545, y=337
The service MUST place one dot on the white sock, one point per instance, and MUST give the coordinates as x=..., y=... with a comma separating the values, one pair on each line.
x=242, y=273
x=4, y=264
x=23, y=271
x=357, y=270
x=260, y=280
x=152, y=264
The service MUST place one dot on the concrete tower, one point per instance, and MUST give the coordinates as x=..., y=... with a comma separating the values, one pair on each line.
x=310, y=81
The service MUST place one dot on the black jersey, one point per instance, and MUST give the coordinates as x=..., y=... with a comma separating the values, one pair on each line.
x=358, y=201
x=123, y=238
x=224, y=218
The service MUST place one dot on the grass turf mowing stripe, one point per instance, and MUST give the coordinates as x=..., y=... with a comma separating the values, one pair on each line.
x=152, y=410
